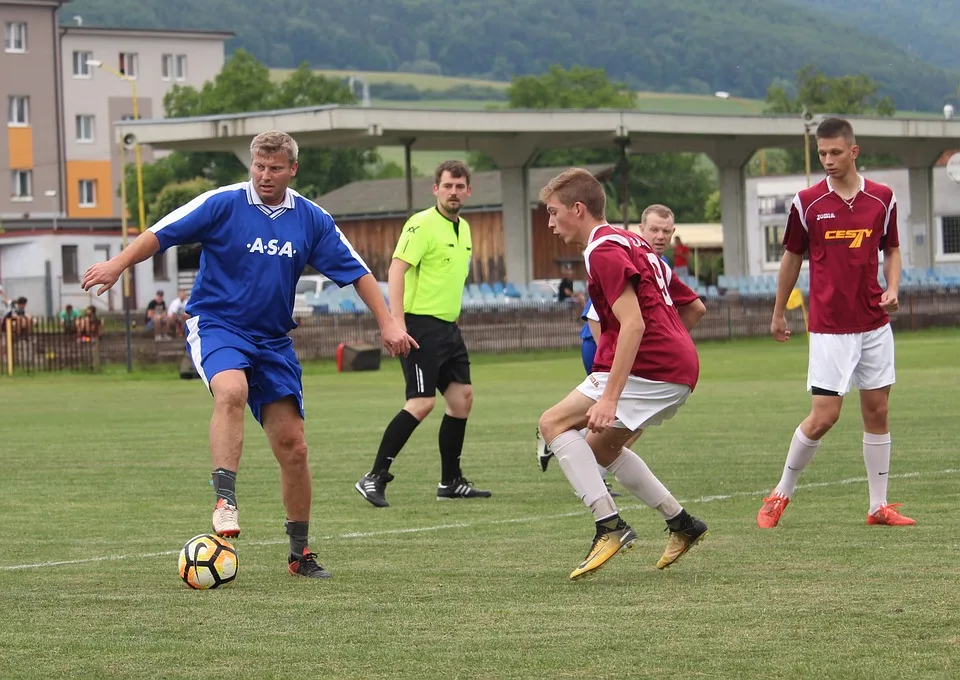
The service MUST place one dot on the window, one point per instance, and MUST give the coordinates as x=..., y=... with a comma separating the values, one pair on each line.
x=15, y=37
x=84, y=128
x=181, y=67
x=19, y=113
x=128, y=64
x=773, y=243
x=88, y=193
x=21, y=185
x=160, y=267
x=81, y=69
x=950, y=234
x=166, y=66
x=70, y=267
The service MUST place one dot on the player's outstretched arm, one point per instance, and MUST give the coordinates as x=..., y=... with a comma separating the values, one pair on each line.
x=395, y=339
x=790, y=266
x=105, y=274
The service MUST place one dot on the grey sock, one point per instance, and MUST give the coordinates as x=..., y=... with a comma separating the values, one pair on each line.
x=298, y=533
x=225, y=485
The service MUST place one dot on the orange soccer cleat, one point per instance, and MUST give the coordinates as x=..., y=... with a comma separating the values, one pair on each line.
x=889, y=515
x=771, y=511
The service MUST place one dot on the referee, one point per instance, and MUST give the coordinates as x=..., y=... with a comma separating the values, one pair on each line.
x=426, y=279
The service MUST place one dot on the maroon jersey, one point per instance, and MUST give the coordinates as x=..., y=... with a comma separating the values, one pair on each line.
x=614, y=259
x=844, y=239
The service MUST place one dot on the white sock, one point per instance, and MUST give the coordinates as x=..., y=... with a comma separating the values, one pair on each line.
x=800, y=454
x=603, y=471
x=630, y=470
x=581, y=470
x=876, y=456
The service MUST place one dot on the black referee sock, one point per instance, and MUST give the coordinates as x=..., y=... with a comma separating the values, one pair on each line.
x=298, y=533
x=394, y=439
x=452, y=431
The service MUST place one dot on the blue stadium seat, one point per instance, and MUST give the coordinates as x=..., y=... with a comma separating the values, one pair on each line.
x=511, y=291
x=347, y=305
x=498, y=288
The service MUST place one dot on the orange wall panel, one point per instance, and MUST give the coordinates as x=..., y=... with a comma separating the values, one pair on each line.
x=20, y=142
x=95, y=170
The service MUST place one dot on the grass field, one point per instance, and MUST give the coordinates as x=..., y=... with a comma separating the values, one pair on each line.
x=103, y=478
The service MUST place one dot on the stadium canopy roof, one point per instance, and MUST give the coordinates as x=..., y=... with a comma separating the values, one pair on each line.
x=514, y=137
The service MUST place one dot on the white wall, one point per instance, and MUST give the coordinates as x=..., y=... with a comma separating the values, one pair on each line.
x=26, y=261
x=781, y=190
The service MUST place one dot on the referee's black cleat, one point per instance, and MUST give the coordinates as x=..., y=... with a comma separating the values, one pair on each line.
x=373, y=487
x=306, y=565
x=544, y=454
x=459, y=488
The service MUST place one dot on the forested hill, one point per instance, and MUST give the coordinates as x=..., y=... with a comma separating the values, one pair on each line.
x=681, y=45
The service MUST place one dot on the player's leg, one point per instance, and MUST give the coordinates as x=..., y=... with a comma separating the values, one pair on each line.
x=875, y=375
x=645, y=404
x=420, y=373
x=453, y=381
x=832, y=360
x=560, y=427
x=276, y=401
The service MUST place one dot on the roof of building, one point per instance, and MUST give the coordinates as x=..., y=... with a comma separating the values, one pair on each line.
x=145, y=32
x=388, y=197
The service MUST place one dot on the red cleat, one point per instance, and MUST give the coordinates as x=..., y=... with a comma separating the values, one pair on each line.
x=773, y=507
x=890, y=516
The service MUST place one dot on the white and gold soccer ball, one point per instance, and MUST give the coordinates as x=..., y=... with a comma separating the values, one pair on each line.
x=208, y=561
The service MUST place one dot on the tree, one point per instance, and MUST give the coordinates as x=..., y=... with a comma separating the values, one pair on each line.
x=816, y=92
x=244, y=84
x=577, y=88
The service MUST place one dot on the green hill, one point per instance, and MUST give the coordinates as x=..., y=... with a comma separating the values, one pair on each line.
x=692, y=46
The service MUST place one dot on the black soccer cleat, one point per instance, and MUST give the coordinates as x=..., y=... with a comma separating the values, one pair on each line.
x=544, y=454
x=306, y=566
x=459, y=488
x=373, y=487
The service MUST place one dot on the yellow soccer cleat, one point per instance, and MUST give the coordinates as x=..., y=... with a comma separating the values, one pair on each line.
x=681, y=541
x=606, y=544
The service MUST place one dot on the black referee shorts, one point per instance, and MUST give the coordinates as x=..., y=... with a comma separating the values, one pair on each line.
x=441, y=359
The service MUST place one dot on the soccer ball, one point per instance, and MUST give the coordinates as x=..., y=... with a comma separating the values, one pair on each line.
x=208, y=561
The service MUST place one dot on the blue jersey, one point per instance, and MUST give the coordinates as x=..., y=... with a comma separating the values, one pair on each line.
x=253, y=255
x=585, y=333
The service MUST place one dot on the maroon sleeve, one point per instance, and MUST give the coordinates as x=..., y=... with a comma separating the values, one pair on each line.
x=611, y=269
x=680, y=293
x=795, y=238
x=892, y=237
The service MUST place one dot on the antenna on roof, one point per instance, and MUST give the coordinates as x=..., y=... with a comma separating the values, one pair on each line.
x=78, y=19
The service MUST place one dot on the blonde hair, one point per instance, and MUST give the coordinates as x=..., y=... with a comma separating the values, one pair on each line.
x=577, y=185
x=658, y=210
x=273, y=142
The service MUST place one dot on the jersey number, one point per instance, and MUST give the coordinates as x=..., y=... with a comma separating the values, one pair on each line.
x=658, y=273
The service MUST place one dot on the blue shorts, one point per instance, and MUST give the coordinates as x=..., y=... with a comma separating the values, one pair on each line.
x=272, y=368
x=587, y=351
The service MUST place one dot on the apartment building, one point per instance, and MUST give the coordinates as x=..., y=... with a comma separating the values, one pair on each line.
x=31, y=151
x=102, y=70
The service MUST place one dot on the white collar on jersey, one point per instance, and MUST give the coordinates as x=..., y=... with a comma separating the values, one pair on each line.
x=253, y=198
x=863, y=183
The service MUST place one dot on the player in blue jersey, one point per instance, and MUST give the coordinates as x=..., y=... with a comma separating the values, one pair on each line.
x=257, y=238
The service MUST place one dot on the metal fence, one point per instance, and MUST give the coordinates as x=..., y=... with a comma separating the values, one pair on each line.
x=487, y=330
x=44, y=344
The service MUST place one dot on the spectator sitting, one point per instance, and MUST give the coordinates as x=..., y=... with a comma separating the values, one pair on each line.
x=177, y=313
x=89, y=325
x=68, y=319
x=156, y=317
x=20, y=322
x=565, y=291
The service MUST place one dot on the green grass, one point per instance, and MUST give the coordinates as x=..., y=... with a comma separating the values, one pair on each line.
x=421, y=81
x=115, y=469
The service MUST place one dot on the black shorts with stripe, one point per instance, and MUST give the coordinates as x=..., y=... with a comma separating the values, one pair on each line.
x=440, y=360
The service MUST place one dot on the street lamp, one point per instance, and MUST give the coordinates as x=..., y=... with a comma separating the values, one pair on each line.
x=52, y=194
x=810, y=121
x=127, y=302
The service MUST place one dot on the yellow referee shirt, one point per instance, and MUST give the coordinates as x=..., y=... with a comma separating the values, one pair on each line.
x=439, y=259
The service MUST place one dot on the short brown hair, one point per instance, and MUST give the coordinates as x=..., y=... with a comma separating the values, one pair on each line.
x=577, y=185
x=836, y=127
x=657, y=209
x=457, y=169
x=272, y=142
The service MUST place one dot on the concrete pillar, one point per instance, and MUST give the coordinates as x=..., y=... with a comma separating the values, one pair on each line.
x=733, y=210
x=919, y=226
x=517, y=236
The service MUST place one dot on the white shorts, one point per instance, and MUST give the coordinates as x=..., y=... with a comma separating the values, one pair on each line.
x=643, y=403
x=862, y=360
